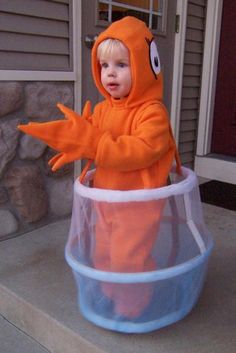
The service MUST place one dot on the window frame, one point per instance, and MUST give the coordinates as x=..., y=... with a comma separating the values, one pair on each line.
x=160, y=14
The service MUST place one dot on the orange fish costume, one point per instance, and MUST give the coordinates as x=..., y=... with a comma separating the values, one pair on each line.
x=132, y=145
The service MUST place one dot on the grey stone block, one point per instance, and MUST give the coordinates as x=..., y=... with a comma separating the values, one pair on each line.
x=31, y=148
x=42, y=97
x=11, y=97
x=8, y=142
x=27, y=192
x=8, y=223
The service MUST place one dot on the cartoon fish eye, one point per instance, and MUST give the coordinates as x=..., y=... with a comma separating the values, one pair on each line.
x=154, y=58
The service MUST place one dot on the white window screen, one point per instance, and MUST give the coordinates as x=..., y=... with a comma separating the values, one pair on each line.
x=152, y=12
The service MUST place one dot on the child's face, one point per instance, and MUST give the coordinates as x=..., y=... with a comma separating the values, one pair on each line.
x=116, y=73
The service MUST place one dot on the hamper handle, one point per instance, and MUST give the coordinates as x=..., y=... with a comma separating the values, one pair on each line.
x=177, y=157
x=85, y=170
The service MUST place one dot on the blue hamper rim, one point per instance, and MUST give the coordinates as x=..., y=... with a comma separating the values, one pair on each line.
x=137, y=277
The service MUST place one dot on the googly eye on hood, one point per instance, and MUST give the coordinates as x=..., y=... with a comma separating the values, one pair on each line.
x=154, y=58
x=147, y=81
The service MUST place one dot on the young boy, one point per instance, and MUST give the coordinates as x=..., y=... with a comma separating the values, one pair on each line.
x=129, y=138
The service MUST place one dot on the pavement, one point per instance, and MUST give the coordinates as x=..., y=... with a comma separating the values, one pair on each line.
x=15, y=341
x=38, y=300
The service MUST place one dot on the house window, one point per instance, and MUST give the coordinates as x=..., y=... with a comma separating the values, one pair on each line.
x=152, y=12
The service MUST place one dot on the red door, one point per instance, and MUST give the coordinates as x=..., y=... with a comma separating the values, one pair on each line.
x=224, y=126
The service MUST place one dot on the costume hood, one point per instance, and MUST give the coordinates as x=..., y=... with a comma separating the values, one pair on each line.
x=147, y=82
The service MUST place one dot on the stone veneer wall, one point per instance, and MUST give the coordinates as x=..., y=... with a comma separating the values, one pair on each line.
x=30, y=194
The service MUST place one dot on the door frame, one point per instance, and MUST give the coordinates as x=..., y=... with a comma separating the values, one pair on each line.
x=209, y=72
x=178, y=67
x=77, y=63
x=207, y=165
x=77, y=53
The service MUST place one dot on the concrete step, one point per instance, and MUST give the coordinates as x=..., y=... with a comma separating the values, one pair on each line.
x=38, y=296
x=15, y=341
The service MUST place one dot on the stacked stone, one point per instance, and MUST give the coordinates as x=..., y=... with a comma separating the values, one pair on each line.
x=30, y=194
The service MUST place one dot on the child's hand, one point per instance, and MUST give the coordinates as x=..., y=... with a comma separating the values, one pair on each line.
x=62, y=158
x=73, y=137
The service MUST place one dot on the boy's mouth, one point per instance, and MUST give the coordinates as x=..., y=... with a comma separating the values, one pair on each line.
x=112, y=85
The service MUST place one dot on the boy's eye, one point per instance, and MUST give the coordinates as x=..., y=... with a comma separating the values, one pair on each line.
x=122, y=64
x=104, y=65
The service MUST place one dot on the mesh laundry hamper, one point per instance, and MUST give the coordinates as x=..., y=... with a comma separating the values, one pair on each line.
x=156, y=287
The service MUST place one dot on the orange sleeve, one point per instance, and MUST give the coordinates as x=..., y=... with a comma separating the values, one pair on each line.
x=148, y=142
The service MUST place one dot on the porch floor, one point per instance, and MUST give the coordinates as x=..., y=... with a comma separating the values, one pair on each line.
x=39, y=314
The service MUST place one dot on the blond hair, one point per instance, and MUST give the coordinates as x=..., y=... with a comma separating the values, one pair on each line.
x=108, y=46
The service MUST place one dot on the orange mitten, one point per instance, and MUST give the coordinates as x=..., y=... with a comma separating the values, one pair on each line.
x=73, y=137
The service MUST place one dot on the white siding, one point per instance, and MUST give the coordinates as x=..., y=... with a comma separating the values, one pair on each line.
x=192, y=80
x=35, y=35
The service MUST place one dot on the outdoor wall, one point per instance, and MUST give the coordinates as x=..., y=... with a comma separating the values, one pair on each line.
x=30, y=194
x=192, y=75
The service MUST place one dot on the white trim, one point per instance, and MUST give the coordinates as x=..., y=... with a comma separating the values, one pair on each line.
x=27, y=75
x=209, y=73
x=178, y=68
x=77, y=53
x=77, y=65
x=214, y=168
x=192, y=226
x=163, y=20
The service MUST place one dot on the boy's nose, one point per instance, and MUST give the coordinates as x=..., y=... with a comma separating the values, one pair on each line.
x=111, y=72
